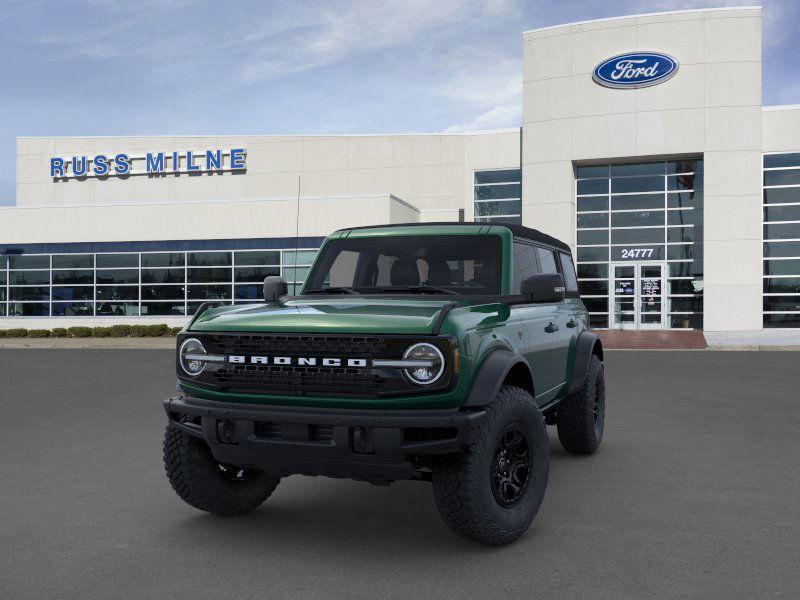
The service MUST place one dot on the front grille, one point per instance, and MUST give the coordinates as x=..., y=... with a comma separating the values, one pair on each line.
x=321, y=434
x=294, y=379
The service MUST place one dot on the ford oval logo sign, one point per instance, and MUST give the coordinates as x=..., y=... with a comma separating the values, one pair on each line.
x=635, y=70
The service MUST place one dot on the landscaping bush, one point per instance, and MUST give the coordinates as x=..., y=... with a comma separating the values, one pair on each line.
x=17, y=332
x=80, y=332
x=157, y=330
x=138, y=331
x=101, y=332
x=59, y=332
x=173, y=331
x=2, y=333
x=120, y=330
x=38, y=333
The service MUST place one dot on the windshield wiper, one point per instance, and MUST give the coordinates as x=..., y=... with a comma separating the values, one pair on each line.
x=419, y=289
x=332, y=290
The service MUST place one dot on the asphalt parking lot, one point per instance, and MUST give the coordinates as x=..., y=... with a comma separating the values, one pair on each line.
x=694, y=494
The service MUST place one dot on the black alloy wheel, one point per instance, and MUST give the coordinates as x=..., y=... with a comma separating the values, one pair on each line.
x=511, y=466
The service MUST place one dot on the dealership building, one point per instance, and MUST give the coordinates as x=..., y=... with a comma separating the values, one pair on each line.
x=644, y=145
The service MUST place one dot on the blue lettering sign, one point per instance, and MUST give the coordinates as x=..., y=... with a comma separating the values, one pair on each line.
x=100, y=164
x=176, y=162
x=213, y=160
x=237, y=159
x=123, y=165
x=154, y=163
x=190, y=166
x=635, y=70
x=56, y=167
x=79, y=166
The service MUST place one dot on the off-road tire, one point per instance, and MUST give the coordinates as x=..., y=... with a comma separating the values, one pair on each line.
x=200, y=480
x=462, y=483
x=581, y=415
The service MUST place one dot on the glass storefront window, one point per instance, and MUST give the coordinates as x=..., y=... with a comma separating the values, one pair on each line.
x=73, y=261
x=497, y=197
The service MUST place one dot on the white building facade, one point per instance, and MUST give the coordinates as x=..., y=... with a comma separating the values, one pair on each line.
x=678, y=191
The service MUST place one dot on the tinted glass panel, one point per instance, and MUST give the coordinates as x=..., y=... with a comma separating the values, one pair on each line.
x=684, y=182
x=592, y=271
x=782, y=303
x=782, y=320
x=73, y=261
x=598, y=321
x=782, y=267
x=782, y=195
x=596, y=304
x=680, y=234
x=587, y=171
x=584, y=204
x=593, y=186
x=84, y=292
x=163, y=259
x=162, y=292
x=304, y=257
x=637, y=236
x=29, y=309
x=118, y=292
x=680, y=252
x=636, y=184
x=29, y=277
x=504, y=219
x=118, y=276
x=258, y=258
x=683, y=217
x=2, y=277
x=29, y=262
x=73, y=277
x=498, y=176
x=297, y=275
x=73, y=309
x=788, y=177
x=684, y=200
x=685, y=304
x=592, y=254
x=568, y=271
x=163, y=275
x=547, y=260
x=488, y=209
x=29, y=293
x=209, y=259
x=637, y=202
x=684, y=166
x=117, y=309
x=592, y=236
x=593, y=220
x=684, y=286
x=638, y=218
x=525, y=264
x=249, y=292
x=782, y=285
x=163, y=308
x=593, y=288
x=775, y=249
x=209, y=275
x=782, y=160
x=686, y=321
x=680, y=269
x=117, y=260
x=209, y=292
x=782, y=213
x=651, y=168
x=782, y=231
x=494, y=192
x=254, y=274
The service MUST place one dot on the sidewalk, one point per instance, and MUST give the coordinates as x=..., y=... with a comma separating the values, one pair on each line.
x=81, y=343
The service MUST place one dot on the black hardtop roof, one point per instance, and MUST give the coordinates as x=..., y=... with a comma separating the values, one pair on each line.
x=527, y=233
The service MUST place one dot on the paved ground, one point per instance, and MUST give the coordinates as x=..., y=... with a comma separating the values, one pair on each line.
x=693, y=495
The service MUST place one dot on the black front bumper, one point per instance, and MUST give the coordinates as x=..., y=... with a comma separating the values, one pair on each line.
x=372, y=445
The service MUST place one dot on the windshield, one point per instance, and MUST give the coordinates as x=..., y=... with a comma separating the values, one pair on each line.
x=441, y=264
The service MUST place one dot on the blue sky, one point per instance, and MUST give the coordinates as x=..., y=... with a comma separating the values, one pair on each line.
x=152, y=67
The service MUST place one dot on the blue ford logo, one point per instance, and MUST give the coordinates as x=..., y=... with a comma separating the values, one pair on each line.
x=635, y=70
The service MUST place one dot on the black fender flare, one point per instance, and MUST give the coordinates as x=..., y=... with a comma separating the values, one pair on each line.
x=588, y=343
x=490, y=377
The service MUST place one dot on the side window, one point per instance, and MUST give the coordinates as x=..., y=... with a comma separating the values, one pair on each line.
x=525, y=264
x=568, y=269
x=547, y=259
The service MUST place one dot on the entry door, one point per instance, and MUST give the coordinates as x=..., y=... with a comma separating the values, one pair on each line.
x=637, y=290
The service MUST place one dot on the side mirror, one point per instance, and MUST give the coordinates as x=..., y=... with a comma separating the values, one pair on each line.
x=542, y=288
x=274, y=287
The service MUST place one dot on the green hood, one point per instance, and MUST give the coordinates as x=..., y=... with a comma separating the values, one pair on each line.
x=345, y=315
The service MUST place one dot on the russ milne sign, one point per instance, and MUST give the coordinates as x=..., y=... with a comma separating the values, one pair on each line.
x=151, y=163
x=635, y=70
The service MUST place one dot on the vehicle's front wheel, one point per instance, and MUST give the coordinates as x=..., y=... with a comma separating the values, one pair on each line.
x=581, y=415
x=491, y=491
x=209, y=485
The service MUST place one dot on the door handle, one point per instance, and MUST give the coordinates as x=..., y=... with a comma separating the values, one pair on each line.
x=571, y=323
x=551, y=328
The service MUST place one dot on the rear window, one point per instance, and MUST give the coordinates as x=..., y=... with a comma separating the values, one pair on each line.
x=568, y=270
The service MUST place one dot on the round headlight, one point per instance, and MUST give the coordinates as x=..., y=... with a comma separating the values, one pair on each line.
x=187, y=357
x=424, y=352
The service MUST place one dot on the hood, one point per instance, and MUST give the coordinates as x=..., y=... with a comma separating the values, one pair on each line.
x=351, y=315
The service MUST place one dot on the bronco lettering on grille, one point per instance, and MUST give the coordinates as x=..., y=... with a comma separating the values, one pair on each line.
x=298, y=361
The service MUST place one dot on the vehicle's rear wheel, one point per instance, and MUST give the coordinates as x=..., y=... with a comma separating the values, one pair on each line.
x=491, y=491
x=581, y=415
x=209, y=485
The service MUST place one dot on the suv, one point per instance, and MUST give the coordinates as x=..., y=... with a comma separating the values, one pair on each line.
x=435, y=352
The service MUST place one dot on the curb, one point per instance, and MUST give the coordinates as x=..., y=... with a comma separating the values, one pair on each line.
x=89, y=343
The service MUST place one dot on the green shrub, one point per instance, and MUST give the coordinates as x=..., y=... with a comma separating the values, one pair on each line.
x=16, y=332
x=59, y=332
x=120, y=330
x=138, y=331
x=101, y=332
x=80, y=332
x=2, y=333
x=38, y=333
x=157, y=330
x=173, y=331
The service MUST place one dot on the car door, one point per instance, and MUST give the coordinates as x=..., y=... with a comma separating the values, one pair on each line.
x=540, y=333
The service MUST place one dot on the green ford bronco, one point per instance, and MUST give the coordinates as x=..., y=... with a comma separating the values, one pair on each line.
x=436, y=352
